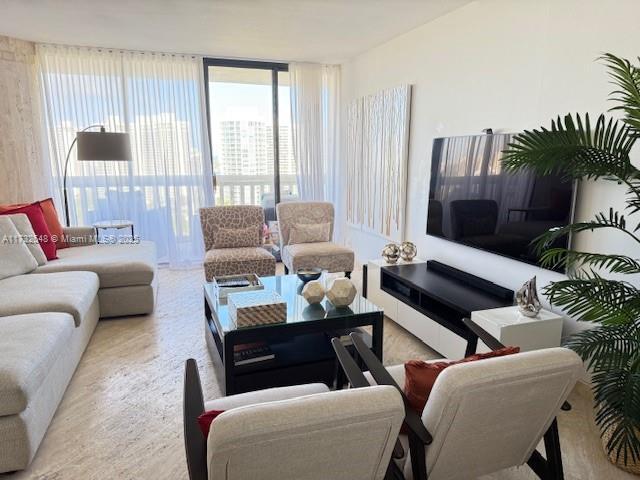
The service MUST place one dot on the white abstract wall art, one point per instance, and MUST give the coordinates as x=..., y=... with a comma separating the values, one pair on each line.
x=377, y=147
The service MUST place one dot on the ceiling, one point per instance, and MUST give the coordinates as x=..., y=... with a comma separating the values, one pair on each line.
x=279, y=30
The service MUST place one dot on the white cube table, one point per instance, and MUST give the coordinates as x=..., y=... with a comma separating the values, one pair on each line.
x=510, y=327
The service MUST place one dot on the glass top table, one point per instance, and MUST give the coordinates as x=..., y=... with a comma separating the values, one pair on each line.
x=300, y=344
x=289, y=287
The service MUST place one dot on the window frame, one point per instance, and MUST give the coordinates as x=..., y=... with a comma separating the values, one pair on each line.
x=275, y=68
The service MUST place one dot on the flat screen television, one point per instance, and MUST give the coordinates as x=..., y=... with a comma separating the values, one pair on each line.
x=474, y=202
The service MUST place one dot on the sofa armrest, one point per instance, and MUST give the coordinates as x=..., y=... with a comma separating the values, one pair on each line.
x=79, y=236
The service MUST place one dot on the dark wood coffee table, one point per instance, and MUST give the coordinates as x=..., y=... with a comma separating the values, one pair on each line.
x=302, y=345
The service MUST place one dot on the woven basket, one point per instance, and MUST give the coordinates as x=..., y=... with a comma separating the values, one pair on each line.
x=631, y=467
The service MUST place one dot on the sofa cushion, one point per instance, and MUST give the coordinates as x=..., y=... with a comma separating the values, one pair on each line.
x=66, y=292
x=23, y=225
x=119, y=265
x=234, y=261
x=30, y=344
x=15, y=257
x=325, y=255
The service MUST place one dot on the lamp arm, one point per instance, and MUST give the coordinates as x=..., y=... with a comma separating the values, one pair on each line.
x=66, y=168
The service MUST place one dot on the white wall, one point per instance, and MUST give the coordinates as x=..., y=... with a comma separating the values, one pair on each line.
x=509, y=65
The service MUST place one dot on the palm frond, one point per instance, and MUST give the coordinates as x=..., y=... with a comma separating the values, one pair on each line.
x=617, y=397
x=627, y=96
x=612, y=220
x=607, y=347
x=612, y=348
x=559, y=257
x=591, y=298
x=572, y=149
x=633, y=199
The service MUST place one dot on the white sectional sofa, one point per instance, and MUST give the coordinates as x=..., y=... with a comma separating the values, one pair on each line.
x=127, y=272
x=47, y=318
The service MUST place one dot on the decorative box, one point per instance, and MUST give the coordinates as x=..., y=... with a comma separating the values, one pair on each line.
x=236, y=283
x=248, y=309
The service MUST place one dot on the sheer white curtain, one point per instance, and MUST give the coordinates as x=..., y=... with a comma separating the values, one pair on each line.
x=315, y=113
x=159, y=100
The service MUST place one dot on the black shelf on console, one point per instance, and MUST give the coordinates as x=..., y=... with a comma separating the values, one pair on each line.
x=443, y=293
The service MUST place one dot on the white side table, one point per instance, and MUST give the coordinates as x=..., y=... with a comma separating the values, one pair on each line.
x=115, y=224
x=510, y=327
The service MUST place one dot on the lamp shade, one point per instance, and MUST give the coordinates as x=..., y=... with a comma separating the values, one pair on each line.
x=104, y=146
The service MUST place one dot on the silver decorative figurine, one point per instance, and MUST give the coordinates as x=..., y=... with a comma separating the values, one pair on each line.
x=391, y=253
x=527, y=299
x=408, y=251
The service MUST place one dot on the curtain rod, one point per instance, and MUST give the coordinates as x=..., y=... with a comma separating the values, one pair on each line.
x=117, y=50
x=152, y=52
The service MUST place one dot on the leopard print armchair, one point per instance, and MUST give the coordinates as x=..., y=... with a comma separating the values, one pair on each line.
x=233, y=241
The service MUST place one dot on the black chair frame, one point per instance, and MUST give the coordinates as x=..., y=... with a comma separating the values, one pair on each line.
x=195, y=443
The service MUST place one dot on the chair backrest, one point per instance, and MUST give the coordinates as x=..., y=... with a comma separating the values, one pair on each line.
x=229, y=216
x=292, y=213
x=341, y=435
x=488, y=415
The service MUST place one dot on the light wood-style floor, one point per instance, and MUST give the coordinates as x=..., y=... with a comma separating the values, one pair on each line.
x=121, y=416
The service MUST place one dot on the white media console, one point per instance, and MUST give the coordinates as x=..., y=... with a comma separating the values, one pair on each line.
x=428, y=305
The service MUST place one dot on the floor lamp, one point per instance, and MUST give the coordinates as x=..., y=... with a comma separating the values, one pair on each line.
x=99, y=146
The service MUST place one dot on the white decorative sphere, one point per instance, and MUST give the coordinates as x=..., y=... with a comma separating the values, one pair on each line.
x=391, y=253
x=313, y=292
x=341, y=292
x=408, y=251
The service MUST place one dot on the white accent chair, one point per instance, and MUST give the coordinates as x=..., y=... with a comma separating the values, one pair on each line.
x=481, y=417
x=303, y=432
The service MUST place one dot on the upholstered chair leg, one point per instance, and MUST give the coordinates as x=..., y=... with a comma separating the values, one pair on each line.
x=347, y=274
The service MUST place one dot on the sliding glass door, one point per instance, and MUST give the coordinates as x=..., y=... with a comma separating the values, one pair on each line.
x=250, y=132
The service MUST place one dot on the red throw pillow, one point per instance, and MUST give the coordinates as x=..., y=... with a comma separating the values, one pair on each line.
x=40, y=228
x=205, y=419
x=53, y=222
x=421, y=376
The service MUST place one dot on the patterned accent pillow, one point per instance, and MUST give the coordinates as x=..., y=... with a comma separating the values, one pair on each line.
x=237, y=237
x=309, y=233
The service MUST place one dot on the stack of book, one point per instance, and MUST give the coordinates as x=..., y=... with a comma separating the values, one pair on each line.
x=249, y=353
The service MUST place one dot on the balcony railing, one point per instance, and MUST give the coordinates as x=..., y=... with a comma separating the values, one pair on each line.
x=252, y=189
x=102, y=197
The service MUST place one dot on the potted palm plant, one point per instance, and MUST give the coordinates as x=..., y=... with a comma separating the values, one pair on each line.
x=599, y=288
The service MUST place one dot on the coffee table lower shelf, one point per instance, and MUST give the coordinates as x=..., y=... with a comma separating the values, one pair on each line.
x=305, y=358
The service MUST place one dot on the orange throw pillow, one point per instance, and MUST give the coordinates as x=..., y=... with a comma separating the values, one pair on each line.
x=421, y=376
x=53, y=222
